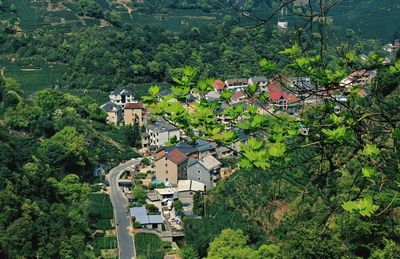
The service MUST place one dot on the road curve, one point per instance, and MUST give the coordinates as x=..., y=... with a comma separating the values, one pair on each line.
x=120, y=204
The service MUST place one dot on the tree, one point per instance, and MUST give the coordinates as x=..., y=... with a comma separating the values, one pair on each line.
x=152, y=209
x=89, y=8
x=136, y=133
x=113, y=17
x=66, y=148
x=230, y=244
x=139, y=194
x=178, y=207
x=188, y=252
x=2, y=87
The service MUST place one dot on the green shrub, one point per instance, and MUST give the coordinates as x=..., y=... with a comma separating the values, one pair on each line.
x=136, y=225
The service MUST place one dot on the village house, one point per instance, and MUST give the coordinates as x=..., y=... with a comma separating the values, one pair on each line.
x=171, y=166
x=283, y=101
x=132, y=111
x=160, y=132
x=166, y=193
x=115, y=107
x=236, y=83
x=262, y=81
x=114, y=113
x=218, y=85
x=147, y=221
x=121, y=97
x=361, y=77
x=206, y=170
x=187, y=189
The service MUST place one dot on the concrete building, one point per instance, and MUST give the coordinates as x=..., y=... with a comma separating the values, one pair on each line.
x=205, y=170
x=236, y=83
x=121, y=97
x=187, y=188
x=171, y=166
x=160, y=132
x=147, y=221
x=262, y=81
x=114, y=113
x=133, y=110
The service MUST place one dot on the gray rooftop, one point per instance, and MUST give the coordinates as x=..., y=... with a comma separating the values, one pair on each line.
x=187, y=148
x=109, y=106
x=141, y=216
x=237, y=81
x=258, y=79
x=161, y=126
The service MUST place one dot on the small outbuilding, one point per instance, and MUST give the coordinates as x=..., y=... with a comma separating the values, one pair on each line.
x=147, y=221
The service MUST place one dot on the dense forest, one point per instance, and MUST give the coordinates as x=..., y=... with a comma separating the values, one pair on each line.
x=331, y=194
x=50, y=145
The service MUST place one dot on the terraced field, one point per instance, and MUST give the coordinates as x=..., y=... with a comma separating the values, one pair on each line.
x=32, y=74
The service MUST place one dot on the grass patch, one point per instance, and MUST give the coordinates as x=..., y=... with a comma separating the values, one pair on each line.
x=100, y=243
x=148, y=246
x=33, y=74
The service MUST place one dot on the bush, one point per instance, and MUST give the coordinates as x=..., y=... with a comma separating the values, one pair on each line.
x=178, y=207
x=145, y=161
x=151, y=209
x=141, y=176
x=136, y=225
x=95, y=188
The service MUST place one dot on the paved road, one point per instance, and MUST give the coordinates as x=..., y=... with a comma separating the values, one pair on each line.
x=120, y=204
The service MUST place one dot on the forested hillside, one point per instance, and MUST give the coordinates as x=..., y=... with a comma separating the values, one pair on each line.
x=50, y=145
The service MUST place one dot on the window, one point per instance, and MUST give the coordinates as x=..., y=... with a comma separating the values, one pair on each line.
x=198, y=171
x=166, y=165
x=166, y=171
x=198, y=179
x=166, y=179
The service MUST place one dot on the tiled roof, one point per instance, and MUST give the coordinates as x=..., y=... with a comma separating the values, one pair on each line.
x=134, y=106
x=258, y=79
x=176, y=156
x=161, y=126
x=218, y=85
x=190, y=185
x=237, y=81
x=210, y=162
x=276, y=95
x=187, y=148
x=238, y=95
x=109, y=106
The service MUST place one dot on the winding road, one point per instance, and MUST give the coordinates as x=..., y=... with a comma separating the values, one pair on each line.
x=120, y=205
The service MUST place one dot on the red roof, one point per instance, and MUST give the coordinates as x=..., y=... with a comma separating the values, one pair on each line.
x=218, y=85
x=276, y=95
x=134, y=106
x=359, y=73
x=176, y=156
x=238, y=95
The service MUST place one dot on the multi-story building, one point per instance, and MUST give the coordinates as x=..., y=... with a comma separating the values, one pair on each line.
x=122, y=97
x=132, y=111
x=236, y=83
x=206, y=170
x=171, y=166
x=114, y=113
x=160, y=133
